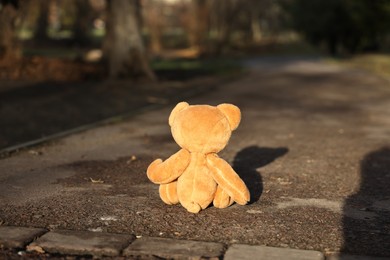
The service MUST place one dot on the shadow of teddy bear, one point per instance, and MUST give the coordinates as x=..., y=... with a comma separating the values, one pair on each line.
x=248, y=160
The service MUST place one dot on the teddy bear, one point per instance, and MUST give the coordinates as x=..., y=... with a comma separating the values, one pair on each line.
x=195, y=176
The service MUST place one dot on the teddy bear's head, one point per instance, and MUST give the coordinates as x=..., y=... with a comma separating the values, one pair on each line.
x=203, y=128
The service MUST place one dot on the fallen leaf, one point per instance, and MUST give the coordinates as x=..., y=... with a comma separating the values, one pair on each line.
x=254, y=211
x=109, y=218
x=35, y=248
x=96, y=181
x=283, y=181
x=132, y=159
x=98, y=229
x=34, y=152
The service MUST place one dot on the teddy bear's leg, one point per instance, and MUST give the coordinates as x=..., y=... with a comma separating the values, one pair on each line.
x=168, y=193
x=196, y=189
x=228, y=179
x=161, y=172
x=192, y=207
x=222, y=199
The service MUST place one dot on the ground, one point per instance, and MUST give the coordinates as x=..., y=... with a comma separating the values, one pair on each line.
x=313, y=147
x=48, y=96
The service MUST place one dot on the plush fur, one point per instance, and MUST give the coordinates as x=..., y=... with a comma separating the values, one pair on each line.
x=195, y=176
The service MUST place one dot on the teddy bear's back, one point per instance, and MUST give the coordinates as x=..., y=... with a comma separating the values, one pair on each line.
x=196, y=186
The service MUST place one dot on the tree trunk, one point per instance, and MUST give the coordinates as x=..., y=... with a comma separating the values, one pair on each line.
x=81, y=26
x=154, y=20
x=43, y=21
x=199, y=24
x=225, y=12
x=9, y=45
x=257, y=34
x=155, y=39
x=123, y=47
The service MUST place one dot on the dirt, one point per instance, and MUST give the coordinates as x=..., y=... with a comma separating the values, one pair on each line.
x=30, y=111
x=38, y=68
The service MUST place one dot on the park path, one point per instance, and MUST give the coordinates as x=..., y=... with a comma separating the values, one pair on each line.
x=313, y=147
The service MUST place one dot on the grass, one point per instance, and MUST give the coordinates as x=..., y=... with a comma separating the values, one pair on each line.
x=207, y=66
x=378, y=63
x=219, y=67
x=60, y=53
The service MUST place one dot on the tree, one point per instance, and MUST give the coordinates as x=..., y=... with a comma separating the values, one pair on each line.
x=371, y=20
x=352, y=25
x=155, y=22
x=123, y=47
x=43, y=21
x=254, y=13
x=9, y=45
x=82, y=22
x=199, y=24
x=224, y=18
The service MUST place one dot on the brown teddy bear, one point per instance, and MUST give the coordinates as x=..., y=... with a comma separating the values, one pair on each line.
x=195, y=176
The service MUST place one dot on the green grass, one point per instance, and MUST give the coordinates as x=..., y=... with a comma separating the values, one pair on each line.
x=60, y=53
x=210, y=66
x=204, y=66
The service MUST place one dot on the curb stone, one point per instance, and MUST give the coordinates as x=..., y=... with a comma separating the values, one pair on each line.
x=18, y=237
x=176, y=249
x=83, y=243
x=354, y=257
x=244, y=252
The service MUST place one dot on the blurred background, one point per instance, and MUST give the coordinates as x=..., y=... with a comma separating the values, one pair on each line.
x=69, y=63
x=81, y=39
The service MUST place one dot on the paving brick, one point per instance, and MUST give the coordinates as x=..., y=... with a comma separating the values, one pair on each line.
x=174, y=249
x=244, y=252
x=354, y=257
x=18, y=237
x=83, y=243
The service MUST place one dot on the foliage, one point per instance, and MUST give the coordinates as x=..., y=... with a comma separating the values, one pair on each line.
x=350, y=25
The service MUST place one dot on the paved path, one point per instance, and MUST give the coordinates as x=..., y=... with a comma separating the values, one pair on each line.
x=313, y=148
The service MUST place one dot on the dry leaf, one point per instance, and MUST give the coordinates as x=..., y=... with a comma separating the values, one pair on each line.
x=254, y=211
x=96, y=181
x=283, y=181
x=132, y=159
x=35, y=248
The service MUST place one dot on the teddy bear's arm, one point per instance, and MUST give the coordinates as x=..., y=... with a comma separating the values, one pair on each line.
x=161, y=172
x=228, y=179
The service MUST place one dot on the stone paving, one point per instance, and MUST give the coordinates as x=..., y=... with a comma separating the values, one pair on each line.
x=96, y=244
x=84, y=243
x=313, y=148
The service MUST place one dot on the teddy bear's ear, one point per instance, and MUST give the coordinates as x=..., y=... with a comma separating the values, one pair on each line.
x=180, y=106
x=232, y=113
